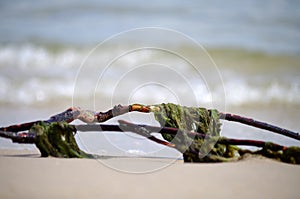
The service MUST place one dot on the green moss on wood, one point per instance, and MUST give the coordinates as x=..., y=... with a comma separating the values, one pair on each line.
x=192, y=119
x=208, y=150
x=57, y=140
x=291, y=155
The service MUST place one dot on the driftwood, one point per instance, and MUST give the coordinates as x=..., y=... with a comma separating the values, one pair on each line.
x=178, y=133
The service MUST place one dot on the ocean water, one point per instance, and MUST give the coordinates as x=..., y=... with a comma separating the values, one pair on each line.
x=241, y=57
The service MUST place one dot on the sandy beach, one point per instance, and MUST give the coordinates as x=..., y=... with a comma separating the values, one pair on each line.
x=25, y=175
x=240, y=57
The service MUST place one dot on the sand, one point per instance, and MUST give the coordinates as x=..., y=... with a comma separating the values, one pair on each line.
x=25, y=175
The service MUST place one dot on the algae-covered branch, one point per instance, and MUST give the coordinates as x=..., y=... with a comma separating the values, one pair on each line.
x=193, y=131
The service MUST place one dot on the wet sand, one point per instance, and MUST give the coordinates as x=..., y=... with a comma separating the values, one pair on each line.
x=25, y=175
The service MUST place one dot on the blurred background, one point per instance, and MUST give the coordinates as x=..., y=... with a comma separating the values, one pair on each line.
x=255, y=45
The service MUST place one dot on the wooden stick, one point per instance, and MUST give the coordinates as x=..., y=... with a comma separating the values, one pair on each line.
x=68, y=116
x=118, y=110
x=259, y=124
x=168, y=130
x=24, y=138
x=143, y=130
x=90, y=117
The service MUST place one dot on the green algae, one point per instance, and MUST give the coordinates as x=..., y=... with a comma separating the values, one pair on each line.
x=188, y=118
x=57, y=139
x=291, y=155
x=196, y=119
x=207, y=122
x=288, y=155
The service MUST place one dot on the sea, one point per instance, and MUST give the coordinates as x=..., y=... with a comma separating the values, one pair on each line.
x=239, y=57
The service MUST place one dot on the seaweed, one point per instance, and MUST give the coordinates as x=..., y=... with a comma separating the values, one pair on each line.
x=209, y=148
x=57, y=139
x=196, y=119
x=193, y=131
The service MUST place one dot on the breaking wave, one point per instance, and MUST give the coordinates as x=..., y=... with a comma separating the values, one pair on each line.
x=41, y=75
